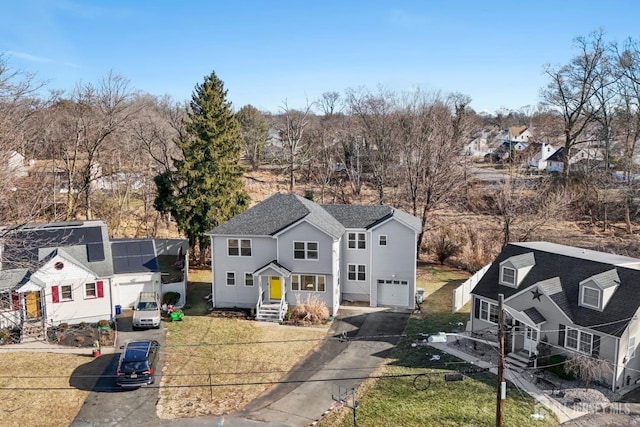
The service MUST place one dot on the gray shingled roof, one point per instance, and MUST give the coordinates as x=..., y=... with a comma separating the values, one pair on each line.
x=521, y=261
x=535, y=315
x=607, y=279
x=277, y=213
x=559, y=274
x=11, y=278
x=553, y=289
x=359, y=216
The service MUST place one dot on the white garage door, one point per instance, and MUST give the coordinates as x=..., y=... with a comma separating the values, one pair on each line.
x=393, y=292
x=129, y=292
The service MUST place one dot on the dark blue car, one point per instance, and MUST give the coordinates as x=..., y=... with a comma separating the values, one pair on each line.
x=137, y=363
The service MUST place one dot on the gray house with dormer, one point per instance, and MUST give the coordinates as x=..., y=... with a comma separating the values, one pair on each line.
x=287, y=248
x=578, y=301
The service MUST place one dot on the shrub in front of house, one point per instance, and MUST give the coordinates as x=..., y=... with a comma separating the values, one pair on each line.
x=556, y=364
x=312, y=311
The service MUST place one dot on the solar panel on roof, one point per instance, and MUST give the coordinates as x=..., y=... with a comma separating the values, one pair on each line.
x=133, y=248
x=118, y=249
x=121, y=265
x=95, y=252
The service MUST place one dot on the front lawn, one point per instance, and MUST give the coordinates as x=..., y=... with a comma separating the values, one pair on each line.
x=204, y=355
x=394, y=401
x=45, y=389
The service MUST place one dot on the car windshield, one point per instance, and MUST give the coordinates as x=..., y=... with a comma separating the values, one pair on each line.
x=147, y=306
x=134, y=366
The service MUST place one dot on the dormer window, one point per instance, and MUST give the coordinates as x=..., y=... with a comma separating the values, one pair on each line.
x=597, y=290
x=513, y=270
x=591, y=297
x=508, y=276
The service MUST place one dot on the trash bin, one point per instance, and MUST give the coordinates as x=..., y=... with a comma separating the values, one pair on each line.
x=118, y=309
x=419, y=295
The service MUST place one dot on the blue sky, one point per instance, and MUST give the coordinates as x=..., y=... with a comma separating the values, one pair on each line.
x=269, y=52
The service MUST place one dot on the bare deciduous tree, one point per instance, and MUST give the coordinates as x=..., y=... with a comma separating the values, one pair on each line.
x=291, y=126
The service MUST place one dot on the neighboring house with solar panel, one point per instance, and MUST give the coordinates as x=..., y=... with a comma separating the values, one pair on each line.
x=576, y=300
x=71, y=272
x=287, y=248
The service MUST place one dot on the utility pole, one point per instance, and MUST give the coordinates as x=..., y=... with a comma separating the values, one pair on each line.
x=501, y=384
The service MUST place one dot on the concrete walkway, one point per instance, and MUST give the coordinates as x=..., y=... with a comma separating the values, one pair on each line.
x=562, y=412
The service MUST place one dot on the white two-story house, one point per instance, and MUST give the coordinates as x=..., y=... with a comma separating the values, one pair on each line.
x=285, y=248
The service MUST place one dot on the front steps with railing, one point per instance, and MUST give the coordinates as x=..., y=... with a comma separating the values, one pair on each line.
x=270, y=312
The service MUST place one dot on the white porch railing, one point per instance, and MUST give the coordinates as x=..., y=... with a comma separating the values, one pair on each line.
x=462, y=294
x=283, y=308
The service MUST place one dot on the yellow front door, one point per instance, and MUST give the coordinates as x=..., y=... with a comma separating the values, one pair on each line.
x=275, y=288
x=32, y=300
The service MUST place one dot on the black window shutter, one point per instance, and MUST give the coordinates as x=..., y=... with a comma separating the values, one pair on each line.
x=476, y=308
x=561, y=335
x=596, y=346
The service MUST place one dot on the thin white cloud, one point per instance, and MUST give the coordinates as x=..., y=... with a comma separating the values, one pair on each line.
x=33, y=58
x=28, y=57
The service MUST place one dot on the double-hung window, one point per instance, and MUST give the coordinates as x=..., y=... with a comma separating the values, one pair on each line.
x=239, y=247
x=508, y=275
x=231, y=278
x=248, y=279
x=357, y=240
x=590, y=297
x=578, y=340
x=488, y=311
x=305, y=250
x=90, y=290
x=357, y=272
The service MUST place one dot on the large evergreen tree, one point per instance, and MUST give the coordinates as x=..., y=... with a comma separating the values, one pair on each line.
x=205, y=187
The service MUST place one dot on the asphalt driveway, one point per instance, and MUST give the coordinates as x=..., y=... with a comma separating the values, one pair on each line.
x=107, y=404
x=305, y=394
x=364, y=339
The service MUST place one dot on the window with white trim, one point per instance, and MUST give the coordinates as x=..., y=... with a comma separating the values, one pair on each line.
x=66, y=293
x=631, y=348
x=248, y=279
x=309, y=283
x=578, y=340
x=357, y=272
x=488, y=311
x=305, y=250
x=231, y=278
x=508, y=275
x=239, y=247
x=90, y=290
x=591, y=297
x=382, y=240
x=357, y=240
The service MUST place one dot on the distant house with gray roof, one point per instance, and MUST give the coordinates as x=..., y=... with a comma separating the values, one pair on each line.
x=577, y=301
x=72, y=272
x=287, y=248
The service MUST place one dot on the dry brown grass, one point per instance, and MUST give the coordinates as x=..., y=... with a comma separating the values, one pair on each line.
x=214, y=363
x=36, y=390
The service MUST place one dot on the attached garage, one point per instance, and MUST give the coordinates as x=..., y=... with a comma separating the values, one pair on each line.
x=393, y=292
x=128, y=292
